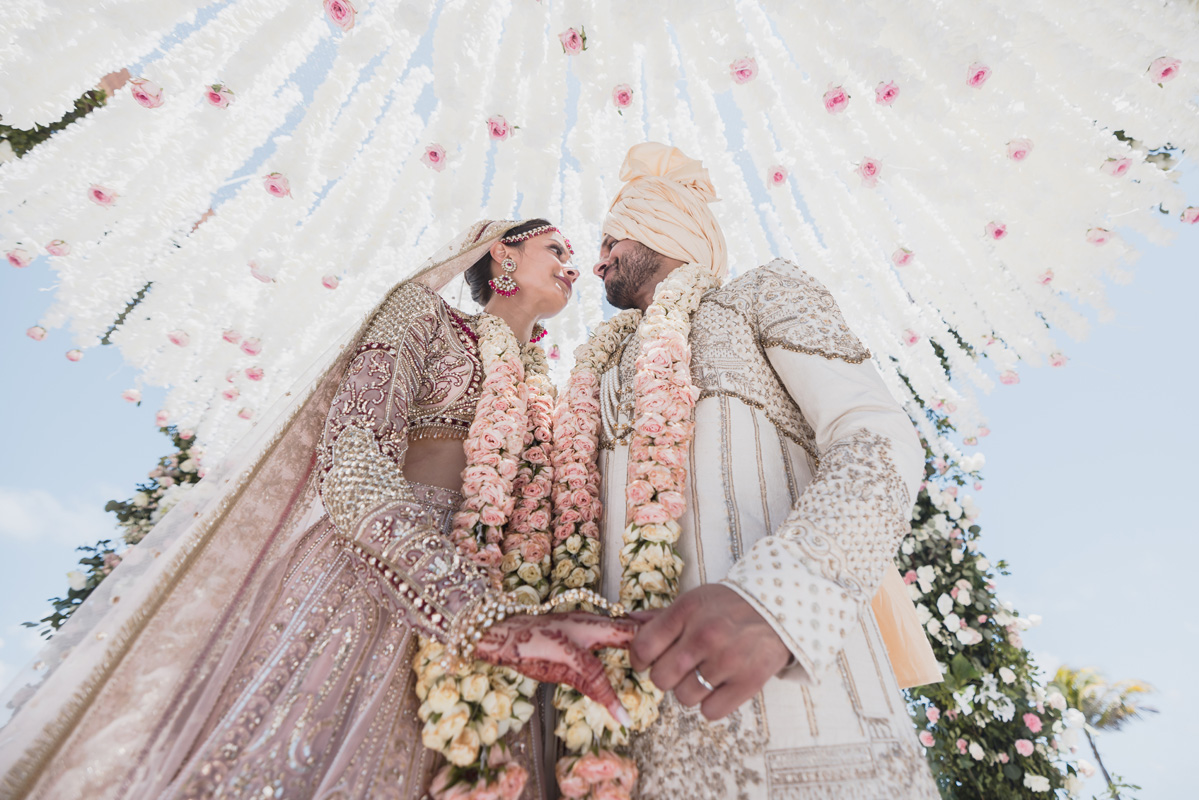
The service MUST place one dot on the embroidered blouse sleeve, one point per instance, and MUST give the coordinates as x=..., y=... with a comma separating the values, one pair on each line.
x=816, y=574
x=362, y=456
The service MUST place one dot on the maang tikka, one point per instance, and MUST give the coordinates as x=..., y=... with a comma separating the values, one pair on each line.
x=505, y=285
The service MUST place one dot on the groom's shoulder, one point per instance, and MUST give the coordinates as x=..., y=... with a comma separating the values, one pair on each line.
x=780, y=281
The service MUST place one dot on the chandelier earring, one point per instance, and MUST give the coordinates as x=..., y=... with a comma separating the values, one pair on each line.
x=505, y=285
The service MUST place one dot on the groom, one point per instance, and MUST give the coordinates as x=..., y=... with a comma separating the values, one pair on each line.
x=799, y=487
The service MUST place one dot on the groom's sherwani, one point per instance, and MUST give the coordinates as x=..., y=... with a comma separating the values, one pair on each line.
x=801, y=481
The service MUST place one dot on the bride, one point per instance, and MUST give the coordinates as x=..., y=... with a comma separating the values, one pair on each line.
x=261, y=641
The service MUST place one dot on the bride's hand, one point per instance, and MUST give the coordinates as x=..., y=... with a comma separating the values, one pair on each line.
x=557, y=648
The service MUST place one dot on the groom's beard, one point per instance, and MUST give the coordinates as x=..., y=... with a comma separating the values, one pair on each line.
x=635, y=268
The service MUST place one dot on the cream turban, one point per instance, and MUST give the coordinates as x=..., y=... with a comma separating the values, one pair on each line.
x=664, y=206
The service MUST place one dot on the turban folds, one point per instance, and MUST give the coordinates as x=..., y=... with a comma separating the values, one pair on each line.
x=664, y=206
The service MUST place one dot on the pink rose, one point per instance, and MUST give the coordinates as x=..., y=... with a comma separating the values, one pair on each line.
x=147, y=93
x=743, y=70
x=1003, y=758
x=259, y=274
x=638, y=493
x=1116, y=166
x=961, y=745
x=927, y=739
x=276, y=184
x=162, y=418
x=341, y=13
x=649, y=514
x=984, y=431
x=131, y=396
x=58, y=247
x=911, y=337
x=101, y=195
x=330, y=282
x=885, y=93
x=74, y=355
x=869, y=170
x=1024, y=747
x=902, y=257
x=1190, y=215
x=179, y=338
x=933, y=713
x=499, y=128
x=36, y=333
x=982, y=619
x=232, y=393
x=1045, y=278
x=674, y=503
x=254, y=373
x=1009, y=378
x=1164, y=69
x=19, y=258
x=909, y=577
x=996, y=230
x=835, y=100
x=977, y=74
x=573, y=42
x=622, y=96
x=778, y=175
x=1032, y=722
x=1018, y=149
x=231, y=336
x=596, y=767
x=218, y=95
x=434, y=157
x=954, y=593
x=554, y=353
x=1098, y=236
x=251, y=347
x=490, y=515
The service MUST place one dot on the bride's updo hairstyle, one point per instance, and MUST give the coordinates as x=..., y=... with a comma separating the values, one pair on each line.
x=479, y=273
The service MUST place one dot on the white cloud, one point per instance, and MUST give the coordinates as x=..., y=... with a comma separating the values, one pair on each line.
x=37, y=515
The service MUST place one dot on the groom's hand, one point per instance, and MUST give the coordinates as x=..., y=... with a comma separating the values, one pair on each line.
x=713, y=628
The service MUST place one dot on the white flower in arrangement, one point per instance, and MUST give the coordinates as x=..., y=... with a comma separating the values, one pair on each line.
x=933, y=625
x=982, y=564
x=942, y=525
x=954, y=510
x=973, y=462
x=925, y=576
x=1085, y=768
x=141, y=499
x=908, y=546
x=1067, y=738
x=952, y=621
x=1006, y=675
x=189, y=465
x=922, y=613
x=1056, y=700
x=968, y=636
x=76, y=580
x=964, y=594
x=1074, y=718
x=1038, y=783
x=1073, y=785
x=976, y=751
x=970, y=510
x=956, y=555
x=1004, y=709
x=944, y=604
x=443, y=696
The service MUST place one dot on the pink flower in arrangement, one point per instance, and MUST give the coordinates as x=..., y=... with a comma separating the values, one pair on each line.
x=74, y=355
x=1032, y=722
x=231, y=376
x=885, y=93
x=179, y=338
x=909, y=577
x=1116, y=166
x=162, y=418
x=498, y=128
x=743, y=70
x=836, y=100
x=961, y=745
x=555, y=352
x=902, y=257
x=58, y=247
x=330, y=282
x=276, y=184
x=231, y=336
x=341, y=13
x=1099, y=236
x=100, y=195
x=1009, y=378
x=926, y=739
x=245, y=413
x=36, y=333
x=996, y=230
x=1045, y=278
x=910, y=337
x=219, y=95
x=1164, y=69
x=984, y=431
x=251, y=347
x=951, y=714
x=933, y=714
x=1024, y=747
x=434, y=157
x=977, y=74
x=573, y=42
x=1190, y=215
x=232, y=393
x=131, y=396
x=259, y=274
x=1018, y=149
x=1003, y=758
x=254, y=373
x=19, y=258
x=777, y=175
x=982, y=619
x=622, y=97
x=869, y=170
x=148, y=94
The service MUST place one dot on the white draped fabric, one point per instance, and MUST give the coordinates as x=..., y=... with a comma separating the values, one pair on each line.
x=995, y=165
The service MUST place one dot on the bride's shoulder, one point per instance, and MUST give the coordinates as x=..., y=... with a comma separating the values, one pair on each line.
x=405, y=304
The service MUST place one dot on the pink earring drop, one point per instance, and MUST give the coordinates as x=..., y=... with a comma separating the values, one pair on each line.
x=504, y=285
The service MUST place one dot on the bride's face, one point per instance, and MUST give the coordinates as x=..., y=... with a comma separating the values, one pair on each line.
x=544, y=273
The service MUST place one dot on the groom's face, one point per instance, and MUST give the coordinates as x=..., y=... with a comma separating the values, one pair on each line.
x=627, y=269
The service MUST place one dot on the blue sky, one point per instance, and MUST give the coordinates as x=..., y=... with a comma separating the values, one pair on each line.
x=1087, y=491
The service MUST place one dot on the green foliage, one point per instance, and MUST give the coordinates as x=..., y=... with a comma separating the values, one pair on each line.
x=120, y=320
x=23, y=141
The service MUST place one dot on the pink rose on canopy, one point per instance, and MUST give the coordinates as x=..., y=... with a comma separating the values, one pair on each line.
x=74, y=355
x=835, y=100
x=996, y=230
x=902, y=257
x=101, y=195
x=961, y=745
x=36, y=333
x=179, y=338
x=434, y=157
x=330, y=282
x=147, y=93
x=622, y=96
x=933, y=714
x=1003, y=758
x=885, y=93
x=259, y=274
x=162, y=418
x=1190, y=215
x=218, y=95
x=1032, y=722
x=1057, y=360
x=909, y=577
x=19, y=258
x=1024, y=747
x=131, y=396
x=231, y=336
x=911, y=337
x=341, y=13
x=869, y=170
x=499, y=128
x=58, y=248
x=245, y=413
x=573, y=42
x=555, y=352
x=927, y=739
x=1164, y=69
x=276, y=184
x=1099, y=235
x=251, y=347
x=1116, y=166
x=743, y=70
x=977, y=74
x=778, y=175
x=254, y=373
x=1045, y=277
x=1018, y=149
x=1009, y=378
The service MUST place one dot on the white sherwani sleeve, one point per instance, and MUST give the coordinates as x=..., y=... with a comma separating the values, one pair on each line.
x=814, y=576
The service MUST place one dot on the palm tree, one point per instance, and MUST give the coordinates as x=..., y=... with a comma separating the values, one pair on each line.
x=1105, y=706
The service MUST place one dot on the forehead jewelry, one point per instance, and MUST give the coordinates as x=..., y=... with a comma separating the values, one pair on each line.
x=529, y=234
